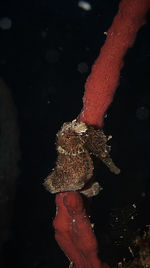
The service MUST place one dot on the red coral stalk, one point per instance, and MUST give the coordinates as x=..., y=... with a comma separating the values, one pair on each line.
x=73, y=230
x=104, y=78
x=74, y=233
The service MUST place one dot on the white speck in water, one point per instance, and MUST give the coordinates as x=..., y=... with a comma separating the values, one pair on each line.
x=73, y=220
x=5, y=23
x=84, y=5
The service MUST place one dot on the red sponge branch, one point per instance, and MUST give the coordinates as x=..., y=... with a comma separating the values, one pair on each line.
x=74, y=233
x=104, y=78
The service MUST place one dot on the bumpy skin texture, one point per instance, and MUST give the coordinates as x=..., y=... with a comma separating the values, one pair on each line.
x=74, y=166
x=76, y=145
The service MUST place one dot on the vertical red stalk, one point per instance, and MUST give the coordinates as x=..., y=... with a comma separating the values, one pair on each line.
x=74, y=233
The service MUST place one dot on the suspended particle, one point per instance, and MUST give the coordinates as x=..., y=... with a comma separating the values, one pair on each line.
x=82, y=67
x=84, y=5
x=143, y=194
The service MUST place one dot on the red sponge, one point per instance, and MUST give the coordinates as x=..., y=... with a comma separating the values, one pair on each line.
x=104, y=78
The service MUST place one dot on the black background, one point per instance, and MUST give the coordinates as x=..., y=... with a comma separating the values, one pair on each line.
x=39, y=60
